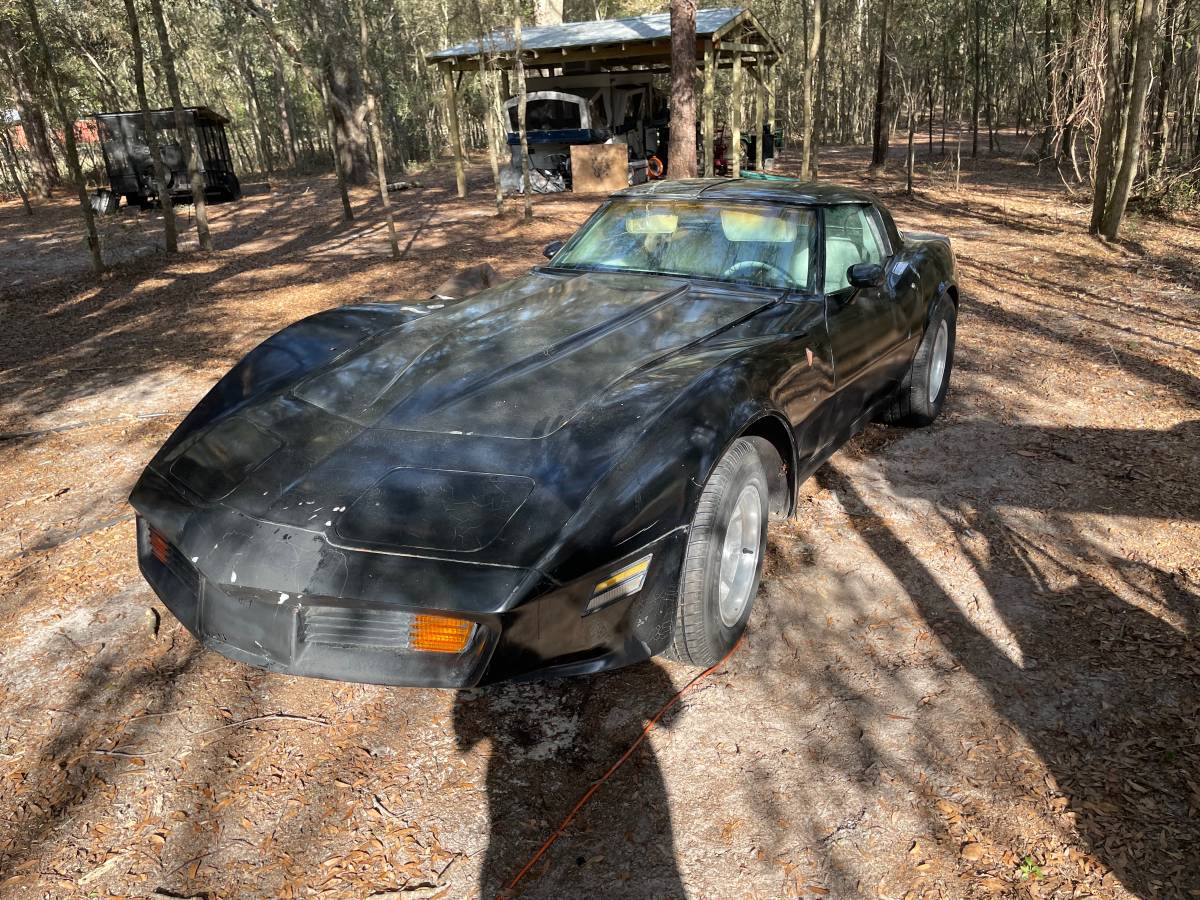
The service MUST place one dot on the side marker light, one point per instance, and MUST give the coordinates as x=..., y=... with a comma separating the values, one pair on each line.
x=626, y=581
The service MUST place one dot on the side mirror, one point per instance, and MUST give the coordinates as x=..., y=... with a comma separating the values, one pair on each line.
x=865, y=275
x=551, y=249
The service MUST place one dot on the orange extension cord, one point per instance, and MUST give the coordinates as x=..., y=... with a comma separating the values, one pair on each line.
x=558, y=832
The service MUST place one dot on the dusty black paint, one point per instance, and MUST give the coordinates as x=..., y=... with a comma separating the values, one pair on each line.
x=544, y=432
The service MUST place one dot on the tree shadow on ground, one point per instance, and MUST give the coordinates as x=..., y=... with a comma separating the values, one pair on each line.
x=1112, y=713
x=106, y=718
x=550, y=741
x=73, y=340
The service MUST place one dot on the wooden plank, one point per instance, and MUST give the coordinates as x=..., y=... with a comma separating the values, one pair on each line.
x=460, y=172
x=599, y=168
x=710, y=81
x=736, y=46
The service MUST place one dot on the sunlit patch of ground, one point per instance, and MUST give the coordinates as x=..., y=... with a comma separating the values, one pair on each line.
x=972, y=668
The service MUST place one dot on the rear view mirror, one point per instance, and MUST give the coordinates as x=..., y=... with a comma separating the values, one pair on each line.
x=865, y=275
x=551, y=249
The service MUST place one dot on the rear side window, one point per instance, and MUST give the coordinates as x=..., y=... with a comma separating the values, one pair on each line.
x=852, y=236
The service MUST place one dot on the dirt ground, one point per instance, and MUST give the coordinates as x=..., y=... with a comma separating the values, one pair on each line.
x=972, y=669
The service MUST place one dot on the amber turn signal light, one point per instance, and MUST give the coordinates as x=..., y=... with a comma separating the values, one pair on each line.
x=440, y=634
x=159, y=546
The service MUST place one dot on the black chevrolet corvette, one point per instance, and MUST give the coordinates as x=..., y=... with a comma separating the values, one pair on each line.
x=561, y=474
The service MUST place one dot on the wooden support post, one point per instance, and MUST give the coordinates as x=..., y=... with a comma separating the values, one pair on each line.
x=734, y=153
x=460, y=172
x=772, y=90
x=710, y=83
x=760, y=117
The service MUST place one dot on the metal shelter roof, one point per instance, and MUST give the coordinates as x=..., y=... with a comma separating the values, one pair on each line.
x=638, y=39
x=166, y=116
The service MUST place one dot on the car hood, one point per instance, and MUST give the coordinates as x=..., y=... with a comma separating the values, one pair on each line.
x=430, y=434
x=521, y=360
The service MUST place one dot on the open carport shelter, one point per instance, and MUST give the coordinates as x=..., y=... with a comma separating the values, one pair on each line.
x=728, y=38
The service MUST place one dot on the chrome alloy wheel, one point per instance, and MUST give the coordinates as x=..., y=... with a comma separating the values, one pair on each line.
x=739, y=555
x=937, y=360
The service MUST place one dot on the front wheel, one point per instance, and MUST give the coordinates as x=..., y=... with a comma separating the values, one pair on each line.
x=724, y=558
x=922, y=392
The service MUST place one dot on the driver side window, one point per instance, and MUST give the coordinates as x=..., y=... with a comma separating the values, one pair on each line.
x=850, y=238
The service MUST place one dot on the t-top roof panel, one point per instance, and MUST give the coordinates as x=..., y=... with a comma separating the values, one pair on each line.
x=570, y=35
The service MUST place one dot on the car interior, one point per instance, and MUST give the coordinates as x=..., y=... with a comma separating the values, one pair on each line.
x=771, y=247
x=850, y=238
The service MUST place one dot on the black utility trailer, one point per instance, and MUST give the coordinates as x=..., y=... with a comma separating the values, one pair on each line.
x=131, y=172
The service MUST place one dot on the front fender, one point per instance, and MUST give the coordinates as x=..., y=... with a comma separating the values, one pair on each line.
x=653, y=488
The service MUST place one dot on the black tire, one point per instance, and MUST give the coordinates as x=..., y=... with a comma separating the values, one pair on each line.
x=702, y=637
x=914, y=404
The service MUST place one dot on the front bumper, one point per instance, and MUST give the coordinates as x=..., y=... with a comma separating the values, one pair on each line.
x=321, y=637
x=359, y=636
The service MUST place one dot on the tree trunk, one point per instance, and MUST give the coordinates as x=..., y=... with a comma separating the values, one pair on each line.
x=44, y=175
x=958, y=115
x=373, y=119
x=317, y=80
x=735, y=119
x=338, y=161
x=68, y=126
x=187, y=135
x=548, y=12
x=808, y=161
x=349, y=115
x=486, y=87
x=170, y=235
x=1104, y=154
x=245, y=67
x=1162, y=93
x=929, y=103
x=10, y=157
x=1147, y=20
x=945, y=92
x=681, y=148
x=879, y=141
x=975, y=87
x=989, y=100
x=281, y=105
x=521, y=104
x=910, y=160
x=1049, y=102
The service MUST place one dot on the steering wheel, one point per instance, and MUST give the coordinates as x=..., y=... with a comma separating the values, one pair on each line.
x=746, y=264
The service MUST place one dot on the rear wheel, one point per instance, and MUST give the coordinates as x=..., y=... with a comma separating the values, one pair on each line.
x=723, y=562
x=922, y=393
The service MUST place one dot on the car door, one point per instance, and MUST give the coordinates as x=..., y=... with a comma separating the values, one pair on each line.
x=864, y=323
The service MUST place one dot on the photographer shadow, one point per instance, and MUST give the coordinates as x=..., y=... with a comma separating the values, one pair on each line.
x=549, y=742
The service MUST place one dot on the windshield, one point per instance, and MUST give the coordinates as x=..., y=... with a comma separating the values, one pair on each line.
x=750, y=243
